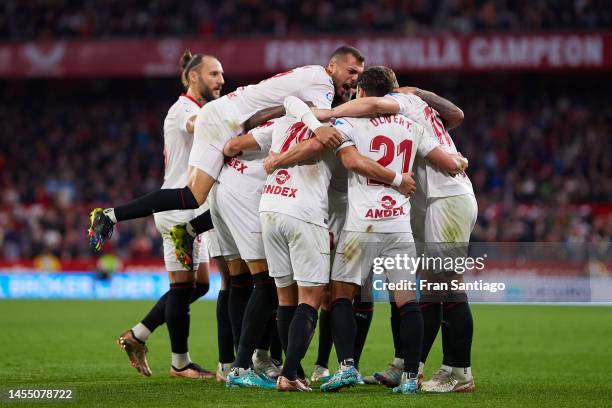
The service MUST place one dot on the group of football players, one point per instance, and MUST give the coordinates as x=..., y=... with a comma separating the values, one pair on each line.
x=294, y=187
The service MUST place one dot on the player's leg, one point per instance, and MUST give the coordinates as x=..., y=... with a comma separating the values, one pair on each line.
x=300, y=334
x=321, y=370
x=449, y=222
x=260, y=306
x=351, y=256
x=410, y=317
x=363, y=309
x=225, y=340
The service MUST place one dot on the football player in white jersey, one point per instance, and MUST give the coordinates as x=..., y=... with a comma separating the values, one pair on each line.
x=378, y=226
x=443, y=212
x=223, y=119
x=301, y=204
x=202, y=77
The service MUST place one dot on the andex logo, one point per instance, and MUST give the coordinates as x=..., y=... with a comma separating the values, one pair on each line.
x=278, y=190
x=388, y=209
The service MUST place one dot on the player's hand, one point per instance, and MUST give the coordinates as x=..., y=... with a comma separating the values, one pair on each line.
x=270, y=162
x=227, y=151
x=408, y=186
x=328, y=136
x=461, y=163
x=324, y=115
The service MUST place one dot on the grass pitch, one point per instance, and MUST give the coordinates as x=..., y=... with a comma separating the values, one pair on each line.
x=545, y=356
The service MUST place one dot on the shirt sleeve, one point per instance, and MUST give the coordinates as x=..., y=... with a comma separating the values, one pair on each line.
x=320, y=91
x=263, y=135
x=346, y=130
x=184, y=113
x=427, y=141
x=411, y=106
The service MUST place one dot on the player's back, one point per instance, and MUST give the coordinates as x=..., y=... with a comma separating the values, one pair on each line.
x=178, y=142
x=309, y=83
x=392, y=141
x=433, y=183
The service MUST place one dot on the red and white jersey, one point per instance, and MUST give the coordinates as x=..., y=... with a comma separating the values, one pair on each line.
x=244, y=174
x=301, y=189
x=177, y=141
x=393, y=141
x=309, y=83
x=338, y=186
x=431, y=181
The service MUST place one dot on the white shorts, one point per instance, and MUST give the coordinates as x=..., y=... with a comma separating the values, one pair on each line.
x=357, y=253
x=337, y=217
x=214, y=126
x=295, y=248
x=166, y=220
x=236, y=220
x=214, y=250
x=451, y=219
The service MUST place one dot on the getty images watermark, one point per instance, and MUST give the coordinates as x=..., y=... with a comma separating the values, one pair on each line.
x=433, y=273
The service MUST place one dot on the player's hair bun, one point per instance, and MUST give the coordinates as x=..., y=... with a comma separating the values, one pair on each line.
x=185, y=58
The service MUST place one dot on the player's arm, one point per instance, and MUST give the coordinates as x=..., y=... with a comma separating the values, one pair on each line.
x=328, y=136
x=263, y=116
x=448, y=162
x=364, y=166
x=358, y=108
x=451, y=114
x=300, y=152
x=237, y=144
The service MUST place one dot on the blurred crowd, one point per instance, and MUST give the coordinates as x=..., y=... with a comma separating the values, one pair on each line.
x=538, y=159
x=36, y=19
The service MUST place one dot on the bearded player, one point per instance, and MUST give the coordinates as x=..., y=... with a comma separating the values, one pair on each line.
x=202, y=77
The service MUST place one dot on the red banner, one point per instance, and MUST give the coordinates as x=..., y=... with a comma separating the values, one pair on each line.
x=405, y=54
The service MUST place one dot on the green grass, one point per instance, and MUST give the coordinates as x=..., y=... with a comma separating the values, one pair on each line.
x=544, y=356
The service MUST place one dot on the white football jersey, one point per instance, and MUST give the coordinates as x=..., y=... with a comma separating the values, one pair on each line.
x=309, y=83
x=301, y=189
x=431, y=181
x=393, y=141
x=177, y=141
x=244, y=174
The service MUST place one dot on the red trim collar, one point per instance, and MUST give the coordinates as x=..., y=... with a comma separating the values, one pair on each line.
x=192, y=99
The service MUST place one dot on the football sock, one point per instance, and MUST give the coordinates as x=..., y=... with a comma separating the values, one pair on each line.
x=343, y=328
x=110, y=213
x=395, y=331
x=141, y=332
x=363, y=312
x=432, y=316
x=241, y=287
x=459, y=327
x=180, y=360
x=177, y=315
x=200, y=224
x=276, y=349
x=157, y=315
x=225, y=341
x=157, y=201
x=284, y=317
x=411, y=330
x=325, y=338
x=301, y=331
x=258, y=311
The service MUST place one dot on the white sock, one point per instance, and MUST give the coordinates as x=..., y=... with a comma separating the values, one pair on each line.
x=110, y=213
x=180, y=360
x=421, y=367
x=398, y=363
x=224, y=366
x=141, y=332
x=262, y=353
x=446, y=368
x=190, y=230
x=464, y=373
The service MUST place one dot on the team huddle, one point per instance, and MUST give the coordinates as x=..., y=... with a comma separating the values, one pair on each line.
x=295, y=185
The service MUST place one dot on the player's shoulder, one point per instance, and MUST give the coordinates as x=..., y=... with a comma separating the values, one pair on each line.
x=318, y=73
x=407, y=98
x=346, y=122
